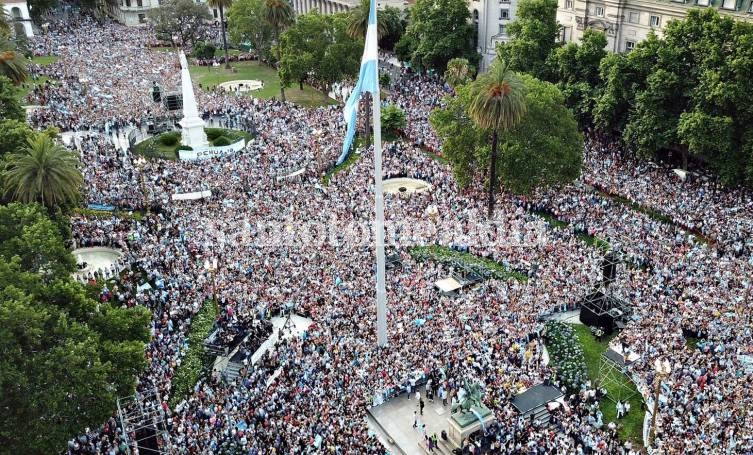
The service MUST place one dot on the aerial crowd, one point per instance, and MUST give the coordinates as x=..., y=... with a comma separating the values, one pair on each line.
x=686, y=245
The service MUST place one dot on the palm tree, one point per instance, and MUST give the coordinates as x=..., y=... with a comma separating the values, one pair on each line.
x=279, y=14
x=358, y=22
x=497, y=104
x=458, y=71
x=43, y=172
x=222, y=5
x=13, y=64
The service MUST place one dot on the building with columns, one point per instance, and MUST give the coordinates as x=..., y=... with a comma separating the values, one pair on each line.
x=132, y=12
x=18, y=13
x=628, y=22
x=491, y=18
x=323, y=6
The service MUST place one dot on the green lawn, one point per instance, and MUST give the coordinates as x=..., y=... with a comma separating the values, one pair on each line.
x=447, y=255
x=209, y=77
x=45, y=59
x=154, y=148
x=631, y=426
x=29, y=85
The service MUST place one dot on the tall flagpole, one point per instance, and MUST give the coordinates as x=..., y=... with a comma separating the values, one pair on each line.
x=381, y=292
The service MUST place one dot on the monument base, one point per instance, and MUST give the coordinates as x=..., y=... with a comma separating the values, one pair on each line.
x=192, y=133
x=460, y=426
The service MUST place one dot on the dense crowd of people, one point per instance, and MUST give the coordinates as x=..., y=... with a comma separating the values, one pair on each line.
x=688, y=256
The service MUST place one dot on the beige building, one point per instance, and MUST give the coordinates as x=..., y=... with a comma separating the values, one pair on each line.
x=628, y=22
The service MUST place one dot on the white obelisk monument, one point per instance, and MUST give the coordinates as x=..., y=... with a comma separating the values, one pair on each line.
x=193, y=126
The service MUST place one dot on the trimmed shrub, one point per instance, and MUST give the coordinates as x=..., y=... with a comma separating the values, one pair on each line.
x=213, y=133
x=171, y=138
x=566, y=355
x=183, y=147
x=221, y=141
x=195, y=362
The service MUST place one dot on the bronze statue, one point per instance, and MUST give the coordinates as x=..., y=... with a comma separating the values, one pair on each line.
x=473, y=395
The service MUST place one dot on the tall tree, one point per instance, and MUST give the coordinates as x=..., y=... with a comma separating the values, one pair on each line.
x=438, y=31
x=318, y=48
x=532, y=37
x=222, y=5
x=576, y=68
x=544, y=149
x=182, y=18
x=66, y=357
x=497, y=104
x=280, y=15
x=458, y=72
x=247, y=23
x=358, y=21
x=10, y=106
x=13, y=64
x=44, y=172
x=14, y=136
x=394, y=21
x=694, y=100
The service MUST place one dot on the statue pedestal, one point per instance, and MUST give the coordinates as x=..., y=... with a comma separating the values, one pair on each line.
x=192, y=133
x=460, y=426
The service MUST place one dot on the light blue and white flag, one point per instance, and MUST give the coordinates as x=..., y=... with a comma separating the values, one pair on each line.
x=367, y=81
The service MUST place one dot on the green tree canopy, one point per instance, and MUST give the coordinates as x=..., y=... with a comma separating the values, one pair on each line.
x=576, y=68
x=247, y=23
x=10, y=106
x=43, y=172
x=688, y=92
x=438, y=31
x=318, y=48
x=394, y=21
x=393, y=119
x=545, y=148
x=14, y=136
x=182, y=18
x=65, y=357
x=532, y=38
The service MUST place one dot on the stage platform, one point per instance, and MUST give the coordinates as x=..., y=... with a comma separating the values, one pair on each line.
x=394, y=420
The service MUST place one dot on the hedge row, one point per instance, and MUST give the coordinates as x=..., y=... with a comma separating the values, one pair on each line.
x=566, y=355
x=195, y=362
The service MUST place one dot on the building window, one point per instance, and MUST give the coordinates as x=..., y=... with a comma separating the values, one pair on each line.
x=629, y=46
x=729, y=4
x=214, y=12
x=568, y=4
x=139, y=3
x=502, y=29
x=599, y=10
x=504, y=1
x=655, y=21
x=751, y=8
x=142, y=18
x=634, y=17
x=504, y=14
x=128, y=3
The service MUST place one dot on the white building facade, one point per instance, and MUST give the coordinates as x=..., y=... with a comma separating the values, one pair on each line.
x=491, y=19
x=628, y=22
x=132, y=12
x=18, y=12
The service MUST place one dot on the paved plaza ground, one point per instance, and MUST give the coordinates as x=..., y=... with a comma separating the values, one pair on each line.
x=395, y=419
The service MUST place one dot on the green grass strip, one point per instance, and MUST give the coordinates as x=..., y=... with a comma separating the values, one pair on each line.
x=196, y=361
x=629, y=427
x=446, y=255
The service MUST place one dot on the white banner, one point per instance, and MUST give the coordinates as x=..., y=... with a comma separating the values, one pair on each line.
x=191, y=196
x=211, y=152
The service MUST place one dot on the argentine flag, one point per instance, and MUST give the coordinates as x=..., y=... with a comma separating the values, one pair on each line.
x=368, y=80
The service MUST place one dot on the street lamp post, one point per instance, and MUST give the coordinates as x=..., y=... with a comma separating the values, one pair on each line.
x=662, y=370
